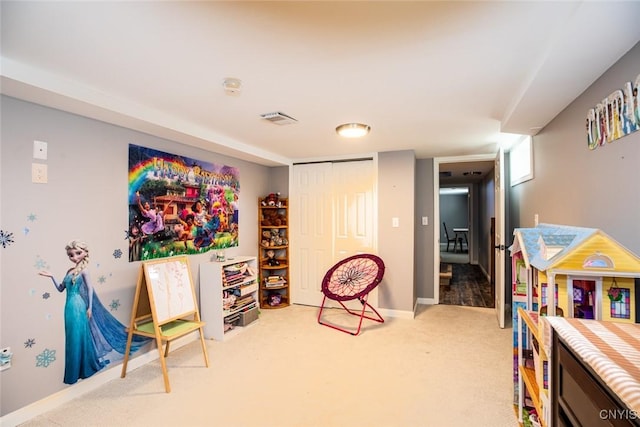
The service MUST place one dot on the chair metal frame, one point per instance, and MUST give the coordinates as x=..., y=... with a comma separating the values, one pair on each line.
x=449, y=239
x=350, y=279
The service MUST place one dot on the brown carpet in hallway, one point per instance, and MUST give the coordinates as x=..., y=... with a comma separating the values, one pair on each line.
x=469, y=287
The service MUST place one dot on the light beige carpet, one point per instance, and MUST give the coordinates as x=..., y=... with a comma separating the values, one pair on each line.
x=450, y=366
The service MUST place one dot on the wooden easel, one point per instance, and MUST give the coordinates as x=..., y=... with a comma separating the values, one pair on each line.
x=164, y=308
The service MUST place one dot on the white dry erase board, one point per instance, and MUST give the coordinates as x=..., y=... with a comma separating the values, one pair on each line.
x=170, y=288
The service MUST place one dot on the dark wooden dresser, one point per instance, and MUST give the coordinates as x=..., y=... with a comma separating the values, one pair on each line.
x=595, y=372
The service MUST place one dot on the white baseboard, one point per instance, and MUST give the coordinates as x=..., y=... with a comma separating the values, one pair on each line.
x=486, y=275
x=52, y=401
x=403, y=314
x=426, y=301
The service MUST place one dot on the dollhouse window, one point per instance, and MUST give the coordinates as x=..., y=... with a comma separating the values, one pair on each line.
x=621, y=309
x=578, y=295
x=543, y=296
x=598, y=260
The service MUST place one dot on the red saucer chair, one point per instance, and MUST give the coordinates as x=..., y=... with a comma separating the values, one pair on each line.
x=350, y=279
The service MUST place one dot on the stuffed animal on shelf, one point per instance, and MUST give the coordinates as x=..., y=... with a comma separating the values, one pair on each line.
x=275, y=240
x=271, y=217
x=272, y=199
x=274, y=299
x=266, y=238
x=272, y=261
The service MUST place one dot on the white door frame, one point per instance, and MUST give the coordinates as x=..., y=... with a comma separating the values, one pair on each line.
x=500, y=249
x=436, y=211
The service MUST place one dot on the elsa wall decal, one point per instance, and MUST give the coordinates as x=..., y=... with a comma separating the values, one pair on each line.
x=91, y=332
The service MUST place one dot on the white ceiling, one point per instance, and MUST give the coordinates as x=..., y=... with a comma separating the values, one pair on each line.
x=440, y=78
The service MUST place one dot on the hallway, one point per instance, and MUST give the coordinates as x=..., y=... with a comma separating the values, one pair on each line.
x=468, y=286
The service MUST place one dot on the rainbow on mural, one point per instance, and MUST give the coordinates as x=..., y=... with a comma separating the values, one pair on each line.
x=179, y=205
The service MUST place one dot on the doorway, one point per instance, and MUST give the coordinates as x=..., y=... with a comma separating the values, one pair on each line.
x=455, y=204
x=474, y=177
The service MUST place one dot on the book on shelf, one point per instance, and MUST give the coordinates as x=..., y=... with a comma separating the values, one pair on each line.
x=237, y=279
x=248, y=288
x=240, y=302
x=273, y=281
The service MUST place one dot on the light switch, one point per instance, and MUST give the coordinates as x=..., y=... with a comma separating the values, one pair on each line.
x=395, y=222
x=425, y=220
x=38, y=173
x=40, y=150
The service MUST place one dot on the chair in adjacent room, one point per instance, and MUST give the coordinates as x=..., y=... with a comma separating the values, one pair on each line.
x=450, y=240
x=350, y=279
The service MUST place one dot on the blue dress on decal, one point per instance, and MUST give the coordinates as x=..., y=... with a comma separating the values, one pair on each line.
x=107, y=332
x=89, y=341
x=81, y=357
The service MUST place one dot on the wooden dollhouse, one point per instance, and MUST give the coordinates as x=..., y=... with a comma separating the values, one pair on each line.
x=568, y=271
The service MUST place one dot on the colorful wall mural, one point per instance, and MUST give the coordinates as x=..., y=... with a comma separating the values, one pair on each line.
x=179, y=205
x=615, y=116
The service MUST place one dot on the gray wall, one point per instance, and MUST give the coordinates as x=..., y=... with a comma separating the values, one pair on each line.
x=396, y=198
x=85, y=198
x=424, y=233
x=279, y=180
x=575, y=186
x=486, y=198
x=454, y=211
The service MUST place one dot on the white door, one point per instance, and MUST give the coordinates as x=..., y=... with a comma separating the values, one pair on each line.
x=334, y=216
x=499, y=244
x=311, y=227
x=353, y=208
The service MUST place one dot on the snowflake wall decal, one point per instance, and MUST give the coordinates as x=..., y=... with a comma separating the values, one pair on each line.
x=45, y=358
x=117, y=253
x=115, y=304
x=31, y=217
x=46, y=295
x=102, y=279
x=40, y=264
x=25, y=230
x=29, y=343
x=6, y=238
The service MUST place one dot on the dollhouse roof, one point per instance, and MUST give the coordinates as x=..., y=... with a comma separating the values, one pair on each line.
x=548, y=245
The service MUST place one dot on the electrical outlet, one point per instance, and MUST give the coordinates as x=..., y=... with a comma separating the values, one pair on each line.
x=425, y=220
x=5, y=358
x=395, y=222
x=38, y=173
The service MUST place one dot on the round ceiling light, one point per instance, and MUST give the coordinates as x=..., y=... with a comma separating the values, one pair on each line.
x=232, y=86
x=353, y=130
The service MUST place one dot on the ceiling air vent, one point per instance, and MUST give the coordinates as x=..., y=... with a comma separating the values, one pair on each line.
x=278, y=118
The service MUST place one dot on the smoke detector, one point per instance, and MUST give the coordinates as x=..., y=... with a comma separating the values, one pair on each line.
x=278, y=118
